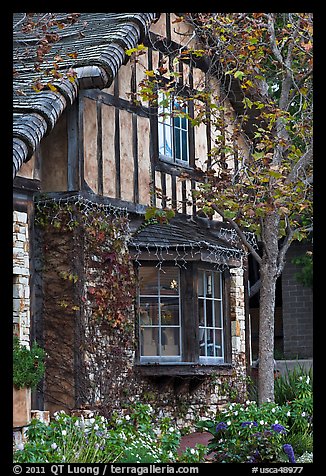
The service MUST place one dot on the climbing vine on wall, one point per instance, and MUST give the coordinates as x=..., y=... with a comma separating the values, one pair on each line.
x=108, y=271
x=88, y=291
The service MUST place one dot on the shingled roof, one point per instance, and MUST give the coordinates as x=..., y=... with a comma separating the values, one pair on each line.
x=189, y=237
x=100, y=41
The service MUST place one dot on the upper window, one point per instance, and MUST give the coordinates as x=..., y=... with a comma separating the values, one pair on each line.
x=173, y=136
x=181, y=316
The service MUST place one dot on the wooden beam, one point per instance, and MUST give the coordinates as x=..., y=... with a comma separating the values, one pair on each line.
x=73, y=166
x=135, y=156
x=116, y=101
x=99, y=150
x=117, y=143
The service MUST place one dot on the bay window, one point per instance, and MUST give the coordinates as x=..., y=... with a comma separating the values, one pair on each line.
x=181, y=314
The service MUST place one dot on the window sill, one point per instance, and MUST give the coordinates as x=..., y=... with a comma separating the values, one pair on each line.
x=184, y=369
x=179, y=164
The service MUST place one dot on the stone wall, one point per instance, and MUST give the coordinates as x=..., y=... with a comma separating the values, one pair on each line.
x=21, y=283
x=103, y=372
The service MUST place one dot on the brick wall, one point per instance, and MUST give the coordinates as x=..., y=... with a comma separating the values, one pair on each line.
x=297, y=309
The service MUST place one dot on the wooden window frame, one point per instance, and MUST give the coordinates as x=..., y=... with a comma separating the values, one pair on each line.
x=173, y=161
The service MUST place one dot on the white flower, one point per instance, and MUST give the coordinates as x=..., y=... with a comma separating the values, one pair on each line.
x=308, y=379
x=127, y=417
x=303, y=414
x=288, y=413
x=273, y=410
x=63, y=432
x=171, y=429
x=54, y=446
x=261, y=422
x=192, y=451
x=300, y=378
x=76, y=423
x=236, y=413
x=96, y=427
x=21, y=446
x=276, y=422
x=92, y=420
x=228, y=422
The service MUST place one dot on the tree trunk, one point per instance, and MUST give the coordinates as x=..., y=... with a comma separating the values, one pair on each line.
x=268, y=276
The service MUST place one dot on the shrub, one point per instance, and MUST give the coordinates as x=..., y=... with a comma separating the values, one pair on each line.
x=296, y=383
x=28, y=364
x=136, y=437
x=248, y=433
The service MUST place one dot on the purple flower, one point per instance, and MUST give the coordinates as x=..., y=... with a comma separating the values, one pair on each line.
x=278, y=428
x=221, y=426
x=288, y=450
x=249, y=423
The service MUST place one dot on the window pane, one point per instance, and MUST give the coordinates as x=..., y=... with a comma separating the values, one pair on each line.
x=184, y=123
x=210, y=342
x=202, y=340
x=161, y=138
x=169, y=281
x=201, y=312
x=170, y=340
x=177, y=122
x=218, y=313
x=148, y=312
x=170, y=311
x=168, y=141
x=177, y=150
x=217, y=285
x=148, y=281
x=208, y=283
x=218, y=343
x=184, y=155
x=209, y=313
x=149, y=341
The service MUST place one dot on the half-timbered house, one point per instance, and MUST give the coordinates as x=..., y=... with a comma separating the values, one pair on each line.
x=89, y=162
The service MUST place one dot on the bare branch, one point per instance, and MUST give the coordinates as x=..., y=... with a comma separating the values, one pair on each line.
x=275, y=49
x=240, y=233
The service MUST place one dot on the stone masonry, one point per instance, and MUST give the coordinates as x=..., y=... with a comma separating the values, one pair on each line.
x=21, y=289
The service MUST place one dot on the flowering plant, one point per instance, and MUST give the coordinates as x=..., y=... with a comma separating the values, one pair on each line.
x=248, y=433
x=134, y=437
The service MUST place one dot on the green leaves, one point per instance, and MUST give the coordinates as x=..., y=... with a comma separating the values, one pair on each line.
x=28, y=364
x=159, y=215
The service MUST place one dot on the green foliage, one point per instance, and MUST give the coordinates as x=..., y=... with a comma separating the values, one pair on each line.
x=305, y=276
x=251, y=433
x=132, y=436
x=296, y=383
x=28, y=364
x=158, y=215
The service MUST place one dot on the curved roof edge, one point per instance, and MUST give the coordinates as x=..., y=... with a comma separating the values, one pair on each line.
x=33, y=122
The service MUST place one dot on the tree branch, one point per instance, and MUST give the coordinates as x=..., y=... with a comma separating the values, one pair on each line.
x=240, y=233
x=302, y=164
